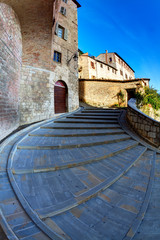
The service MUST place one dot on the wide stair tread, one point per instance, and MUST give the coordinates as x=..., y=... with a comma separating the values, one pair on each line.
x=50, y=160
x=69, y=142
x=111, y=214
x=88, y=181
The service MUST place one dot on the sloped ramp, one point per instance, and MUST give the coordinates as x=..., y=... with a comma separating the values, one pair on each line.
x=82, y=176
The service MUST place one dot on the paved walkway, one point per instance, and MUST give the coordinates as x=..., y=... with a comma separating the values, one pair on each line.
x=82, y=176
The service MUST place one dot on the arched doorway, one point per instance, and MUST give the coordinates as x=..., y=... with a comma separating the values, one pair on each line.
x=60, y=97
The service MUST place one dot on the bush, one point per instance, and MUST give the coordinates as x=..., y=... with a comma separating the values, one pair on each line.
x=150, y=96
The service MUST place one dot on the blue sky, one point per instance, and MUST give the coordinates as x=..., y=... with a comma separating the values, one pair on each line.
x=129, y=27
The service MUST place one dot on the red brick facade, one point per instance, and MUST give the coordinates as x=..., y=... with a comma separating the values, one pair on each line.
x=10, y=66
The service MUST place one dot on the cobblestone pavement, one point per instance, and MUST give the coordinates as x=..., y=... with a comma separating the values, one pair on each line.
x=84, y=176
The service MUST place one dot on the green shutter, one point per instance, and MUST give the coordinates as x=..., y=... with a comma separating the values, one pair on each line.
x=66, y=34
x=56, y=29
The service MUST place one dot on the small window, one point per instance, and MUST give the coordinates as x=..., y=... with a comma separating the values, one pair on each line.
x=126, y=76
x=92, y=65
x=108, y=68
x=57, y=57
x=110, y=59
x=121, y=72
x=101, y=65
x=65, y=1
x=63, y=11
x=61, y=32
x=112, y=70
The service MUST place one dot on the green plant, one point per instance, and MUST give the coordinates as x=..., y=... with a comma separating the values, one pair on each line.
x=120, y=96
x=150, y=97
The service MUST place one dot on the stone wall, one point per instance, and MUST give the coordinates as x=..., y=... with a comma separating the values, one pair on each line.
x=38, y=71
x=146, y=127
x=10, y=67
x=103, y=93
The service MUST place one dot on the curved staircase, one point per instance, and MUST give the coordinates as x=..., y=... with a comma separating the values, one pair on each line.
x=82, y=176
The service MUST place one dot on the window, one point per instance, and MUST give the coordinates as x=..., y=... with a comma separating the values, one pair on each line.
x=57, y=57
x=61, y=32
x=110, y=59
x=108, y=68
x=63, y=11
x=65, y=1
x=112, y=70
x=121, y=72
x=126, y=76
x=92, y=65
x=101, y=65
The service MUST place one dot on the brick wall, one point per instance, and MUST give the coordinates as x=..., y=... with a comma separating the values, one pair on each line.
x=145, y=126
x=33, y=81
x=10, y=66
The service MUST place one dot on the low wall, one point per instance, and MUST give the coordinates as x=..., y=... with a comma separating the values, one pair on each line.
x=103, y=92
x=145, y=126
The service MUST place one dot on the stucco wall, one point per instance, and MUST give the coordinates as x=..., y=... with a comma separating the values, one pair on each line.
x=10, y=66
x=104, y=92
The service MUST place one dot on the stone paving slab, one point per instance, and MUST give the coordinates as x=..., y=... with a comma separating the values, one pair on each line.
x=67, y=141
x=87, y=192
x=111, y=210
x=33, y=159
x=74, y=132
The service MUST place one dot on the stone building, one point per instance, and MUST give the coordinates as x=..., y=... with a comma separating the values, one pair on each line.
x=107, y=80
x=38, y=60
x=105, y=66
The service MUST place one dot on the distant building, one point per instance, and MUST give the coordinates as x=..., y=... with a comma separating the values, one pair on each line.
x=124, y=71
x=107, y=80
x=105, y=66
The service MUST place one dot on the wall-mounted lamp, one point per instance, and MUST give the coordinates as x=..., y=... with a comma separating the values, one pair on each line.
x=74, y=56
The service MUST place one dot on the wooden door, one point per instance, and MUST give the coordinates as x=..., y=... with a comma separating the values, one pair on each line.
x=60, y=97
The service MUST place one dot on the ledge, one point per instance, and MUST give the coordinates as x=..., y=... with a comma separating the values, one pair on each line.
x=147, y=127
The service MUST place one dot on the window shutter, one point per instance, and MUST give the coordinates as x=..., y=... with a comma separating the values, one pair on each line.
x=56, y=29
x=66, y=34
x=64, y=11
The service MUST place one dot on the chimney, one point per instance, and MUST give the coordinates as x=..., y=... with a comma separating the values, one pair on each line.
x=106, y=56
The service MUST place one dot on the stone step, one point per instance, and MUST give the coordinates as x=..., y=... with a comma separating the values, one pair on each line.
x=80, y=126
x=74, y=142
x=111, y=213
x=97, y=114
x=15, y=221
x=94, y=117
x=36, y=191
x=78, y=132
x=50, y=133
x=87, y=121
x=102, y=111
x=66, y=158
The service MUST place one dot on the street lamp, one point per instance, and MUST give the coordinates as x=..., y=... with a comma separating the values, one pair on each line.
x=74, y=56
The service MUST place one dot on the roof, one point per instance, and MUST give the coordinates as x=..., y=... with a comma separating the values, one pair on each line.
x=106, y=64
x=124, y=61
x=78, y=5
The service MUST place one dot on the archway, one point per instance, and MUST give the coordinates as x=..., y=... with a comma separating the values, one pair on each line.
x=60, y=97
